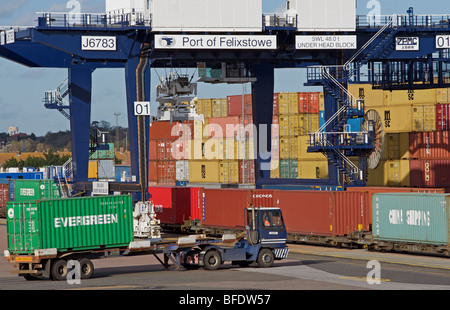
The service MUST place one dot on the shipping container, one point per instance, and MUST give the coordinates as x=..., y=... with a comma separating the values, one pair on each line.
x=123, y=173
x=182, y=170
x=308, y=102
x=308, y=123
x=106, y=169
x=229, y=172
x=70, y=224
x=224, y=127
x=247, y=171
x=204, y=171
x=236, y=105
x=275, y=169
x=289, y=125
x=289, y=169
x=390, y=173
x=289, y=148
x=411, y=218
x=167, y=130
x=30, y=190
x=443, y=116
x=4, y=197
x=396, y=146
x=313, y=169
x=416, y=96
x=429, y=145
x=162, y=172
x=287, y=103
x=276, y=109
x=408, y=118
x=372, y=97
x=104, y=154
x=324, y=213
x=210, y=16
x=430, y=172
x=175, y=205
x=219, y=107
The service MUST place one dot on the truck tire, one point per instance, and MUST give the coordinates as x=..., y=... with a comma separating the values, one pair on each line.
x=212, y=260
x=59, y=270
x=265, y=258
x=87, y=268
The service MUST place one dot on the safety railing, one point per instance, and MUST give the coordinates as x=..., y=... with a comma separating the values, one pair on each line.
x=417, y=21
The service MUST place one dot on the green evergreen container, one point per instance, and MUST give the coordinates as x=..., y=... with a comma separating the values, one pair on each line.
x=30, y=190
x=70, y=224
x=411, y=218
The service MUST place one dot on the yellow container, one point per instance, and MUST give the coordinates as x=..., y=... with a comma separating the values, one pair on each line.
x=287, y=103
x=408, y=118
x=219, y=107
x=204, y=106
x=289, y=148
x=420, y=96
x=288, y=125
x=303, y=144
x=372, y=97
x=229, y=172
x=93, y=169
x=391, y=173
x=198, y=130
x=308, y=123
x=204, y=171
x=275, y=169
x=396, y=146
x=313, y=169
x=321, y=102
x=245, y=149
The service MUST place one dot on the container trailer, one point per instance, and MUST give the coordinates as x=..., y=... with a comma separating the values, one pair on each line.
x=45, y=237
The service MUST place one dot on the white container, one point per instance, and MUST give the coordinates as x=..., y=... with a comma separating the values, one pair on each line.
x=182, y=170
x=106, y=169
x=207, y=15
x=324, y=15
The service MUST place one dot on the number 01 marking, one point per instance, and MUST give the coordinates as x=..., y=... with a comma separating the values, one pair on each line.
x=142, y=108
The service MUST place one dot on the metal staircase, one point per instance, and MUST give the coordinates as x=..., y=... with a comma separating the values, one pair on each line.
x=332, y=139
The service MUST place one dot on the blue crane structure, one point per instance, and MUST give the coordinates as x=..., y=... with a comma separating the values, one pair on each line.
x=95, y=42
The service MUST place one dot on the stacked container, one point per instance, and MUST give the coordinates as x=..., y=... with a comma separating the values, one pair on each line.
x=101, y=164
x=415, y=124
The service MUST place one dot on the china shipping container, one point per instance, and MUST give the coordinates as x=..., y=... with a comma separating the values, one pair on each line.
x=430, y=173
x=70, y=224
x=175, y=205
x=411, y=218
x=429, y=145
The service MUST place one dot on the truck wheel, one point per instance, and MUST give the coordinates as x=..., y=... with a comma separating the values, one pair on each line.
x=212, y=260
x=265, y=258
x=59, y=270
x=87, y=268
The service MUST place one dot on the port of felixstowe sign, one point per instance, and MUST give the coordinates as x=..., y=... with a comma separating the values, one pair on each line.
x=325, y=42
x=260, y=42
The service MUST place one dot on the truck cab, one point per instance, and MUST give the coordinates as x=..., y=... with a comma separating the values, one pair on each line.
x=264, y=242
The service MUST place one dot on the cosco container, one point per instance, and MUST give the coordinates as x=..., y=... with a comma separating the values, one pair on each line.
x=412, y=218
x=29, y=190
x=70, y=224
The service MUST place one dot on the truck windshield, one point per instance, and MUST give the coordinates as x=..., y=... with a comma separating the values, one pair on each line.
x=270, y=219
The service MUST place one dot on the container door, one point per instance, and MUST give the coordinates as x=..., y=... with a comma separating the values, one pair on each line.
x=23, y=227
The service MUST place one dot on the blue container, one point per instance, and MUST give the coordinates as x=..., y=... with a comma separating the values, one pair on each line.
x=123, y=172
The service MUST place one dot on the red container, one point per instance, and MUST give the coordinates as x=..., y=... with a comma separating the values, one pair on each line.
x=308, y=103
x=429, y=145
x=247, y=172
x=152, y=149
x=171, y=131
x=175, y=205
x=263, y=198
x=225, y=208
x=324, y=213
x=443, y=116
x=224, y=127
x=430, y=173
x=275, y=104
x=4, y=197
x=235, y=105
x=162, y=172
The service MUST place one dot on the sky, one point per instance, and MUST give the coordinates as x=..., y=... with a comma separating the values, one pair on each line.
x=22, y=89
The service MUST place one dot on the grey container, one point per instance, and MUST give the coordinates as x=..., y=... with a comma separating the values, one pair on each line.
x=411, y=218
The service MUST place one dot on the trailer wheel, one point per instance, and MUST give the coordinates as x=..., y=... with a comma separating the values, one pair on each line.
x=87, y=268
x=212, y=260
x=265, y=258
x=59, y=270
